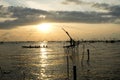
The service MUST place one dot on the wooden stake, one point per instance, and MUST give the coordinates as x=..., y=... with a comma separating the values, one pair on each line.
x=74, y=73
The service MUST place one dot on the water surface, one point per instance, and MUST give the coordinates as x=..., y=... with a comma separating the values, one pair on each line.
x=19, y=63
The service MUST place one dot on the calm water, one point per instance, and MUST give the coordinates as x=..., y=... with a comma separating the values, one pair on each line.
x=19, y=63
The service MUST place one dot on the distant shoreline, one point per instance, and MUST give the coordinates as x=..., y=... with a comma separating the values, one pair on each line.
x=80, y=41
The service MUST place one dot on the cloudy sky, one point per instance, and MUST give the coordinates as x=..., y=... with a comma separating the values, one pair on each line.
x=19, y=17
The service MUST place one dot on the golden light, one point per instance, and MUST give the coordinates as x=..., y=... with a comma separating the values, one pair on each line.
x=44, y=27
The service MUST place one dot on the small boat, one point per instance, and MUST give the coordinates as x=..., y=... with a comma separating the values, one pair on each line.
x=30, y=46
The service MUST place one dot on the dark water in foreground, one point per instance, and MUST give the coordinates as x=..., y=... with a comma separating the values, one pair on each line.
x=19, y=63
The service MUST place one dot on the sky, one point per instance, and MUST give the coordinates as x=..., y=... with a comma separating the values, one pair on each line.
x=83, y=19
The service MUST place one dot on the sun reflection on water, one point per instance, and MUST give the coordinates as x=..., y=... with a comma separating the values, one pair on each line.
x=43, y=52
x=44, y=45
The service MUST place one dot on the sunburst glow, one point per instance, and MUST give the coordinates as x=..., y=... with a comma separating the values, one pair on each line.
x=44, y=27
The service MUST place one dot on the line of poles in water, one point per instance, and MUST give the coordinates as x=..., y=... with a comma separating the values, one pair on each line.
x=72, y=53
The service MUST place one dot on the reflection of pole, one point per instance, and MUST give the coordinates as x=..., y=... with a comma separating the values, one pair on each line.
x=88, y=56
x=67, y=65
x=75, y=62
x=23, y=75
x=1, y=75
x=83, y=55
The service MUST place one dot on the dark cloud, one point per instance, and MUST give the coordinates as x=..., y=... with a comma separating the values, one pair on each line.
x=27, y=16
x=4, y=13
x=101, y=6
x=114, y=11
x=24, y=16
x=83, y=17
x=110, y=8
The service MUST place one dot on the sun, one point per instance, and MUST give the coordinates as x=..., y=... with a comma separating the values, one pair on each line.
x=44, y=27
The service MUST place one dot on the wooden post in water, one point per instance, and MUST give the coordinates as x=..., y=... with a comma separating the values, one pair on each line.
x=74, y=73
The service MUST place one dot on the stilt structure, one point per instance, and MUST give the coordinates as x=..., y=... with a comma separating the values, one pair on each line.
x=72, y=41
x=72, y=53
